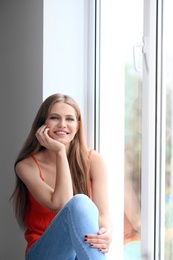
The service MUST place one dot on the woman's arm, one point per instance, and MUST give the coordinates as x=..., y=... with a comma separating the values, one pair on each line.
x=54, y=199
x=98, y=175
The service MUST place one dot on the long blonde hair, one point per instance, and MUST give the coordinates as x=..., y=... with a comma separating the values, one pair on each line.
x=77, y=155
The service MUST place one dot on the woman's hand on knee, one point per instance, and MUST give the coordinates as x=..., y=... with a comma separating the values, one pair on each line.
x=101, y=240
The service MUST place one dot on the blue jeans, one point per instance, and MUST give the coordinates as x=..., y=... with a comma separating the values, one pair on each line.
x=64, y=238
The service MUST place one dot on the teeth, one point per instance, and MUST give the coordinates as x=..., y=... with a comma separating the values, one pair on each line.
x=61, y=133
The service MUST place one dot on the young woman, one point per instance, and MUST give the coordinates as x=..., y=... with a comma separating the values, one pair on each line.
x=60, y=196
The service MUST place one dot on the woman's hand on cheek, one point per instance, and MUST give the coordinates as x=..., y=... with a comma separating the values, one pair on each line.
x=101, y=240
x=45, y=140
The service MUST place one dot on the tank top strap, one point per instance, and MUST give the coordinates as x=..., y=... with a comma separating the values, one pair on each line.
x=35, y=160
x=89, y=154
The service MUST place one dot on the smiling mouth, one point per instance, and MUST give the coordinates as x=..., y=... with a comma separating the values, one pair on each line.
x=61, y=133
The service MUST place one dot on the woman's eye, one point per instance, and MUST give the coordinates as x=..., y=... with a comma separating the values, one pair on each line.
x=54, y=117
x=70, y=119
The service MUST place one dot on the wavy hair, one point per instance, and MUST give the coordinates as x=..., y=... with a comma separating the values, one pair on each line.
x=77, y=156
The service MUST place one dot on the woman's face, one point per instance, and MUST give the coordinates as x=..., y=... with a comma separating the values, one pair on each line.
x=62, y=122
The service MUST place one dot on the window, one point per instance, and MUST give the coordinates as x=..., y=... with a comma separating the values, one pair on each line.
x=120, y=118
x=136, y=61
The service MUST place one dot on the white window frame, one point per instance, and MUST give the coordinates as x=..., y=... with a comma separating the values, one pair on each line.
x=153, y=135
x=152, y=166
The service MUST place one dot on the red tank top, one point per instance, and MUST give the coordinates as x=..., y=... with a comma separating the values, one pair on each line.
x=37, y=217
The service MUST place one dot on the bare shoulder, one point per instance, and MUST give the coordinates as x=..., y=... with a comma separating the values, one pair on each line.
x=96, y=157
x=24, y=166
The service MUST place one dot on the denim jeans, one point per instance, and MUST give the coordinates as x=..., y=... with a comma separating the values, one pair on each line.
x=64, y=238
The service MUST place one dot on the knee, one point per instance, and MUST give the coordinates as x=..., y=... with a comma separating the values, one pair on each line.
x=81, y=199
x=82, y=204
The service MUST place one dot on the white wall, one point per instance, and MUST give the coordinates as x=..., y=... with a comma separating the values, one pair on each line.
x=68, y=61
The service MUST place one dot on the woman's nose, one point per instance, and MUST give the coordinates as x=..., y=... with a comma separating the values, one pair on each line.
x=62, y=123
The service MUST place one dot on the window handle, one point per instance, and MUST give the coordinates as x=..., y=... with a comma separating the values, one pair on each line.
x=135, y=47
x=143, y=46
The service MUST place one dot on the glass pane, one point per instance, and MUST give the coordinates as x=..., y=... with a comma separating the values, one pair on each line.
x=168, y=83
x=132, y=149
